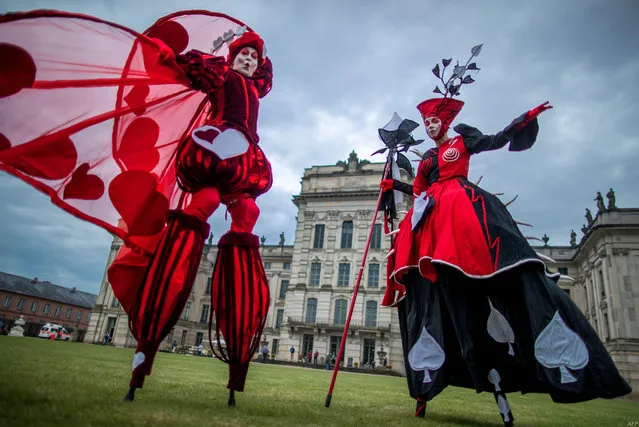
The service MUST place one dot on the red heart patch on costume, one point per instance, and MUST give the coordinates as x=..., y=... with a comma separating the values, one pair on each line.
x=18, y=69
x=137, y=147
x=172, y=33
x=53, y=160
x=134, y=196
x=4, y=142
x=84, y=186
x=208, y=134
x=136, y=98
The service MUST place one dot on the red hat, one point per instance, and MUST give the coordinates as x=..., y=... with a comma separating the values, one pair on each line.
x=446, y=109
x=249, y=38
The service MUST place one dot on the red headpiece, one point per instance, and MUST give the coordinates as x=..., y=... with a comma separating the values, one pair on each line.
x=446, y=109
x=249, y=38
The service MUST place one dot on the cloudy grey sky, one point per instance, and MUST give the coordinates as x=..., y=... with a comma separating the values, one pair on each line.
x=342, y=67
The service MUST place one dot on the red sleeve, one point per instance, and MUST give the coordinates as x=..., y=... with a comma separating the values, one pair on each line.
x=207, y=73
x=263, y=78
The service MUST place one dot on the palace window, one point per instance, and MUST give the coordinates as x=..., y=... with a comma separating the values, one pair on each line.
x=373, y=275
x=347, y=235
x=371, y=314
x=376, y=239
x=318, y=239
x=340, y=312
x=343, y=274
x=283, y=289
x=311, y=310
x=316, y=268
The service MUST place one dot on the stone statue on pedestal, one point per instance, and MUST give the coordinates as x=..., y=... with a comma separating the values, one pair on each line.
x=17, y=330
x=600, y=202
x=589, y=217
x=611, y=199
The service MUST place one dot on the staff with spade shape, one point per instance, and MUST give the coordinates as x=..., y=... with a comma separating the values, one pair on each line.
x=396, y=135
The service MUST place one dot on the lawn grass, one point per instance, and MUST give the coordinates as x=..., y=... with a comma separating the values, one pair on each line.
x=45, y=383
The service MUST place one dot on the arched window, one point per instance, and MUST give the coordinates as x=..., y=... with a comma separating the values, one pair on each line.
x=340, y=312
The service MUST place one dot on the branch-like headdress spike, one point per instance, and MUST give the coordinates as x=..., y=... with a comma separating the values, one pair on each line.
x=447, y=108
x=458, y=78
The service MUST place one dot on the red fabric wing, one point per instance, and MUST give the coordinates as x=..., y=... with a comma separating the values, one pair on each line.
x=85, y=103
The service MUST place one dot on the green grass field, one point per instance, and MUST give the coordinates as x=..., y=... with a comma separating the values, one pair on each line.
x=45, y=383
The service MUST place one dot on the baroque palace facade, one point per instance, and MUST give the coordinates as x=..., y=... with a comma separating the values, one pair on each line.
x=312, y=281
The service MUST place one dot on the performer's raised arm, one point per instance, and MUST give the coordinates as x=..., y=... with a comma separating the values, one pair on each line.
x=207, y=73
x=521, y=133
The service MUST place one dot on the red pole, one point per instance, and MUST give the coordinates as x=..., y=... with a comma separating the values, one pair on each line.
x=355, y=290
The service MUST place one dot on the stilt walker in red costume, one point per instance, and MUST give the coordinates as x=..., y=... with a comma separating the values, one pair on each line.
x=477, y=307
x=153, y=135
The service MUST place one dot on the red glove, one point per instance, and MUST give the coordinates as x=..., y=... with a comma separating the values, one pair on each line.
x=532, y=114
x=386, y=184
x=538, y=110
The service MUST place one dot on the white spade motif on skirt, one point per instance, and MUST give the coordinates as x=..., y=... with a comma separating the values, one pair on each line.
x=426, y=355
x=504, y=408
x=495, y=379
x=138, y=359
x=499, y=328
x=557, y=346
x=502, y=403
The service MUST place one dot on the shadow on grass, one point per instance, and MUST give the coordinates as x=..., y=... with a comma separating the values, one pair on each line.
x=459, y=420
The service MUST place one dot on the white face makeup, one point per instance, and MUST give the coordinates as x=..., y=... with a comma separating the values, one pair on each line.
x=245, y=61
x=433, y=126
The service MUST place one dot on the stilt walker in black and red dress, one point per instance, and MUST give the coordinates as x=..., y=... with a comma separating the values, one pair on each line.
x=477, y=307
x=146, y=135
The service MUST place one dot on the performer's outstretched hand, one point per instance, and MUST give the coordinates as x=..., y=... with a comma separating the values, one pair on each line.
x=532, y=115
x=386, y=184
x=538, y=110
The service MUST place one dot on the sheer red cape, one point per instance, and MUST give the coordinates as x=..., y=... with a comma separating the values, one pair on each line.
x=92, y=116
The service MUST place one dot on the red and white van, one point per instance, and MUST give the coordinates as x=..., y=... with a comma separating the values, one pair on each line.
x=51, y=328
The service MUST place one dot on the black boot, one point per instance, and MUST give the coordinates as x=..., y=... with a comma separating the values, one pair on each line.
x=420, y=409
x=130, y=395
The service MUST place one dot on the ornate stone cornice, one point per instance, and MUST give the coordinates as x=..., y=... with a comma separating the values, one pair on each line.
x=364, y=213
x=333, y=215
x=347, y=216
